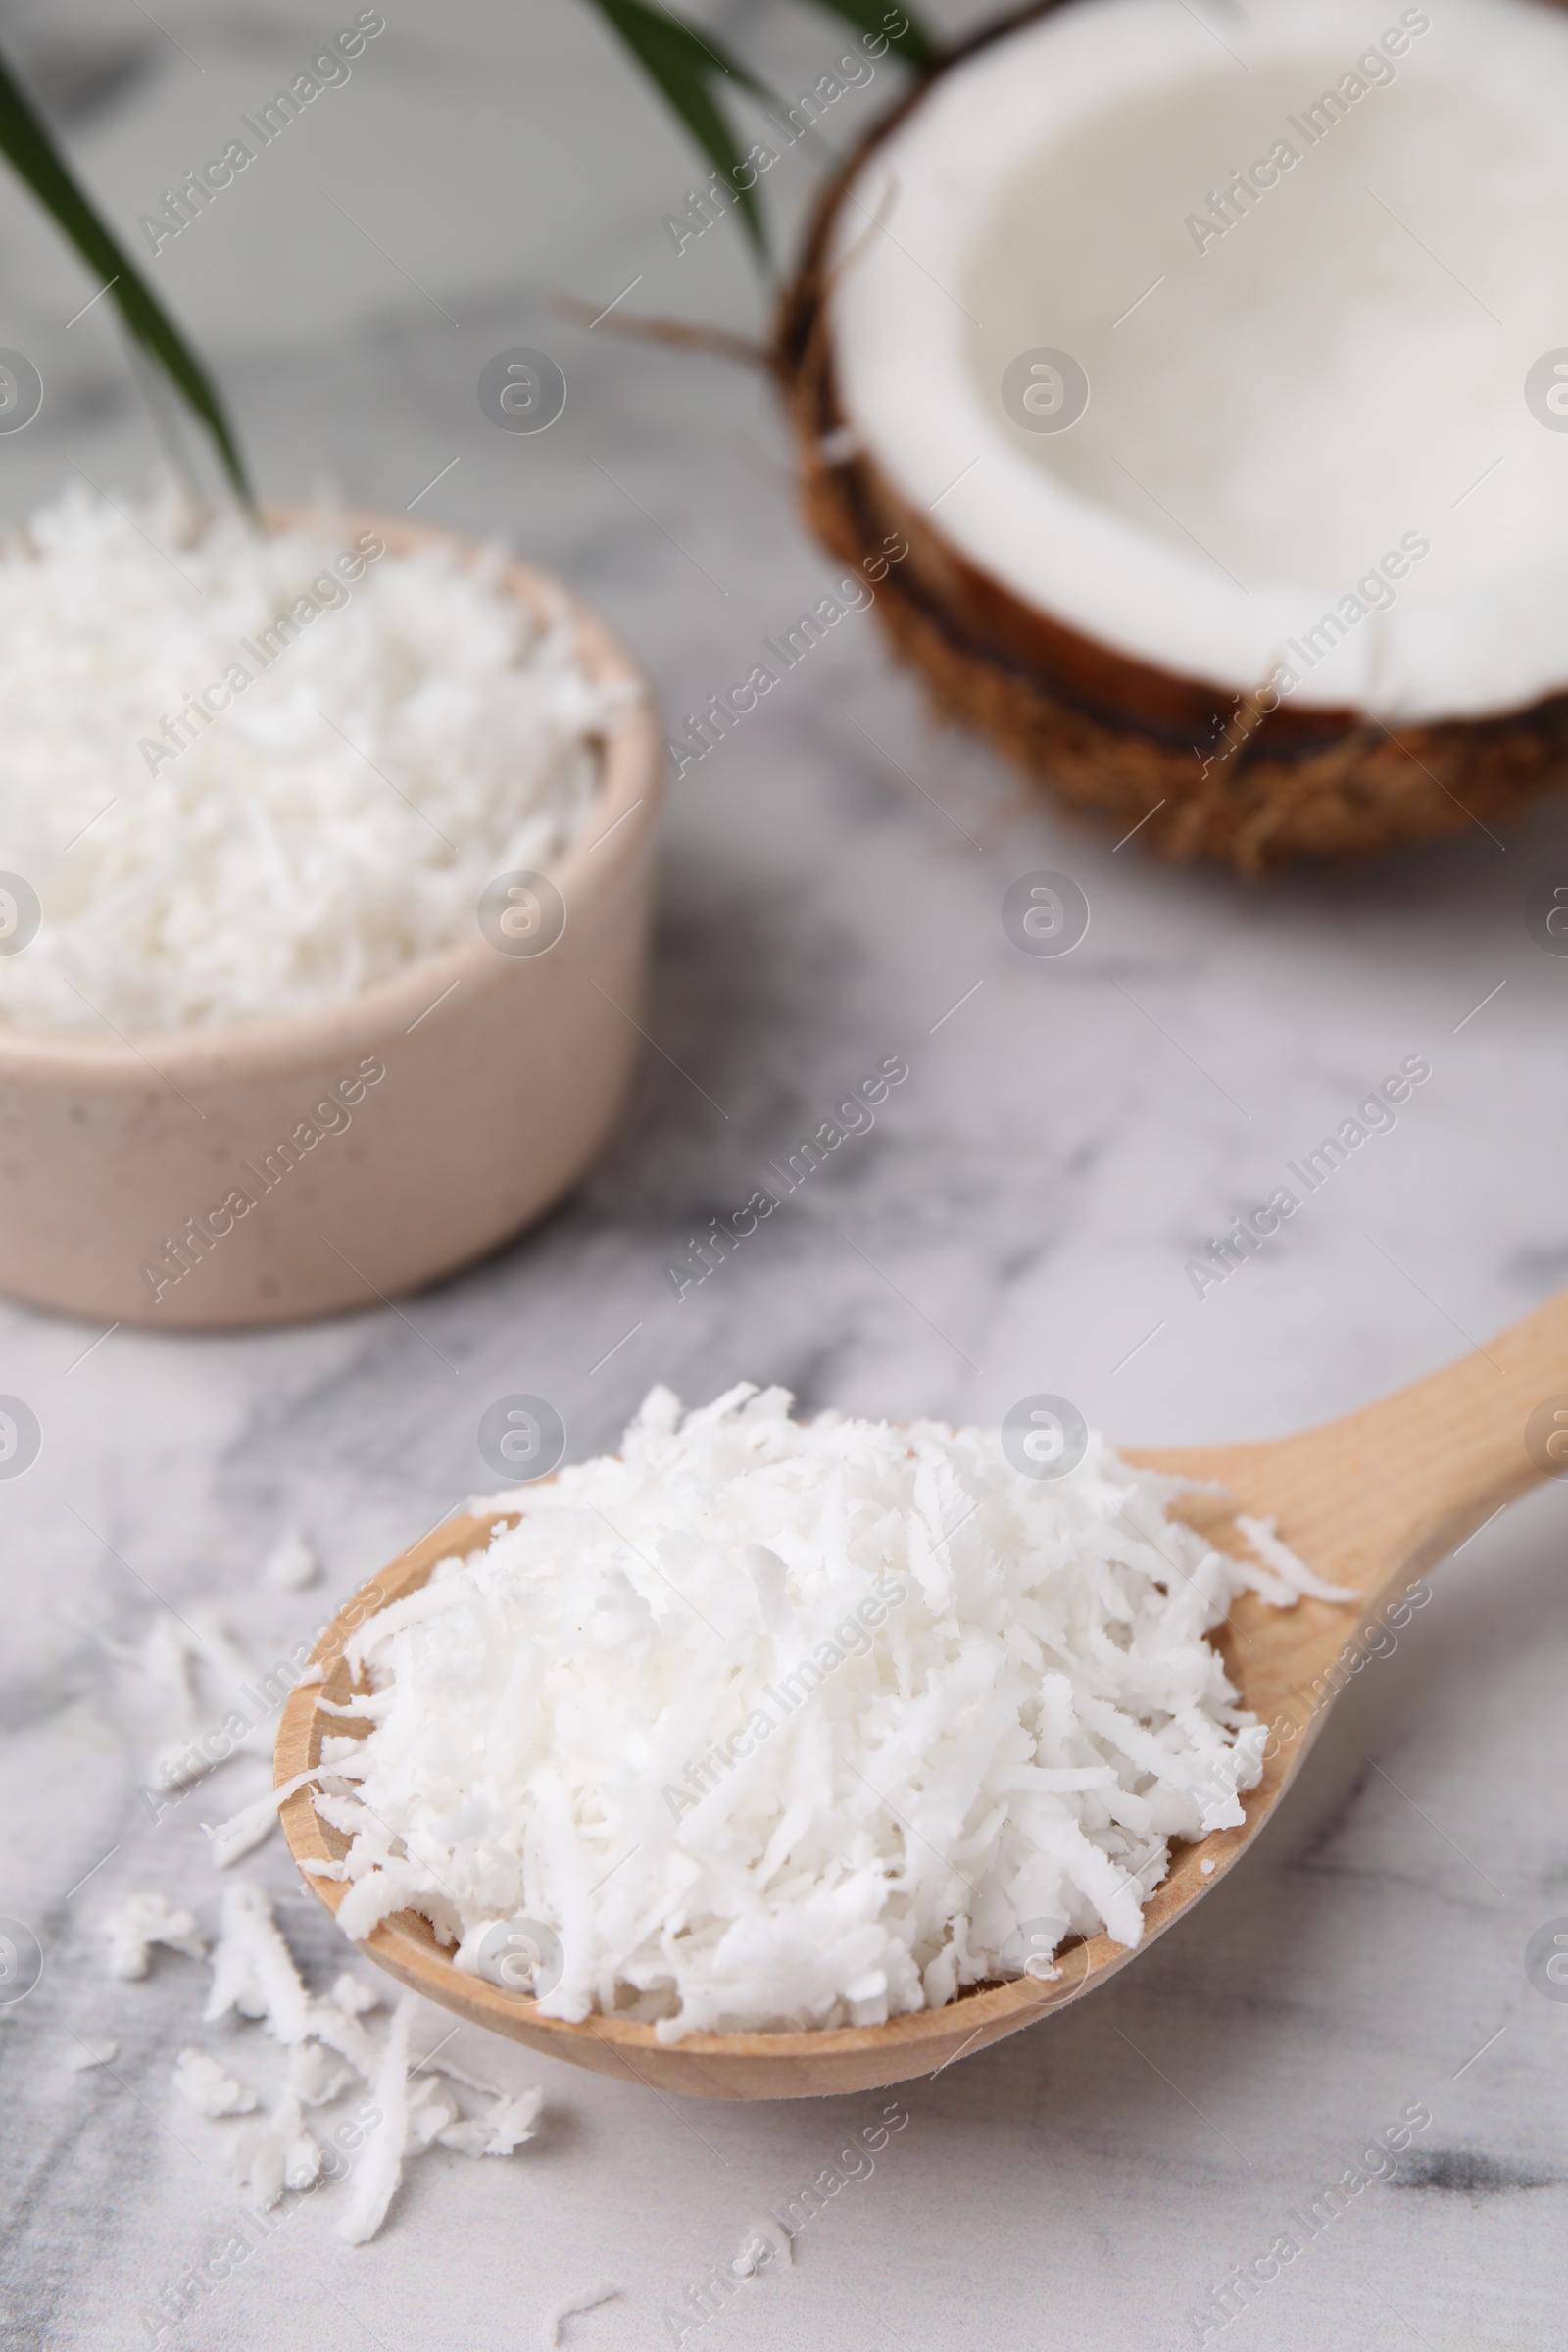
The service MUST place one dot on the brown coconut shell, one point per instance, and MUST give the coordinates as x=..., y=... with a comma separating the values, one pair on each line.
x=1201, y=771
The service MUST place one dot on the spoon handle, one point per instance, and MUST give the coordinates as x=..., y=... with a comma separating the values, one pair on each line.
x=1377, y=1498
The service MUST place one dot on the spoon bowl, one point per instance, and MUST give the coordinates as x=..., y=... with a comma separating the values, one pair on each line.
x=1369, y=1502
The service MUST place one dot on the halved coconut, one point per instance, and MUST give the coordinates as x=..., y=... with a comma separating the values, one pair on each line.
x=1213, y=362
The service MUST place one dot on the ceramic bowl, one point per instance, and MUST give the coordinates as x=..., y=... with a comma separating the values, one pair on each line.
x=264, y=1171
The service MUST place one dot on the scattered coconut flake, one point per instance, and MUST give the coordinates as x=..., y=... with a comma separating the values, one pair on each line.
x=231, y=1841
x=315, y=2074
x=182, y=1764
x=202, y=1640
x=769, y=2227
x=268, y=2157
x=252, y=1969
x=86, y=2052
x=217, y=1647
x=208, y=2086
x=291, y=1564
x=326, y=2023
x=1294, y=1573
x=354, y=1996
x=588, y=2300
x=326, y=2046
x=245, y=1830
x=445, y=2066
x=763, y=1723
x=506, y=2126
x=432, y=2110
x=379, y=735
x=766, y=2230
x=1207, y=1867
x=380, y=2165
x=164, y=1656
x=135, y=1925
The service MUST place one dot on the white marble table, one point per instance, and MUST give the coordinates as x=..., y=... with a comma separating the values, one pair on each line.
x=1018, y=1219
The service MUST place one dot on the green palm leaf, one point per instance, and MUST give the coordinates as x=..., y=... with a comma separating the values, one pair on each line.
x=914, y=44
x=684, y=63
x=30, y=148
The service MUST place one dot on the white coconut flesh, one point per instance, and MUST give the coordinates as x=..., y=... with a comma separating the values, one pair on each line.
x=1292, y=389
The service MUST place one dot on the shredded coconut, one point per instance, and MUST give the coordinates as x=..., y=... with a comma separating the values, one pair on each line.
x=767, y=1724
x=589, y=2299
x=164, y=1656
x=380, y=2165
x=275, y=2154
x=134, y=1926
x=1294, y=1576
x=247, y=775
x=354, y=1996
x=291, y=1564
x=507, y=2124
x=315, y=2074
x=765, y=2238
x=253, y=1967
x=245, y=1830
x=232, y=1840
x=328, y=2053
x=203, y=2084
x=168, y=1661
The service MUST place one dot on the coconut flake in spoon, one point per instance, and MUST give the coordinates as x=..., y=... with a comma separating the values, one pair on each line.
x=767, y=1722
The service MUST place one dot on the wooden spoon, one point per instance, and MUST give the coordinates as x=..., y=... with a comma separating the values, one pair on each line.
x=1370, y=1501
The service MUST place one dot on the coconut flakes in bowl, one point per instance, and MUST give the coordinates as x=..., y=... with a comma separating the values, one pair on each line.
x=248, y=775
